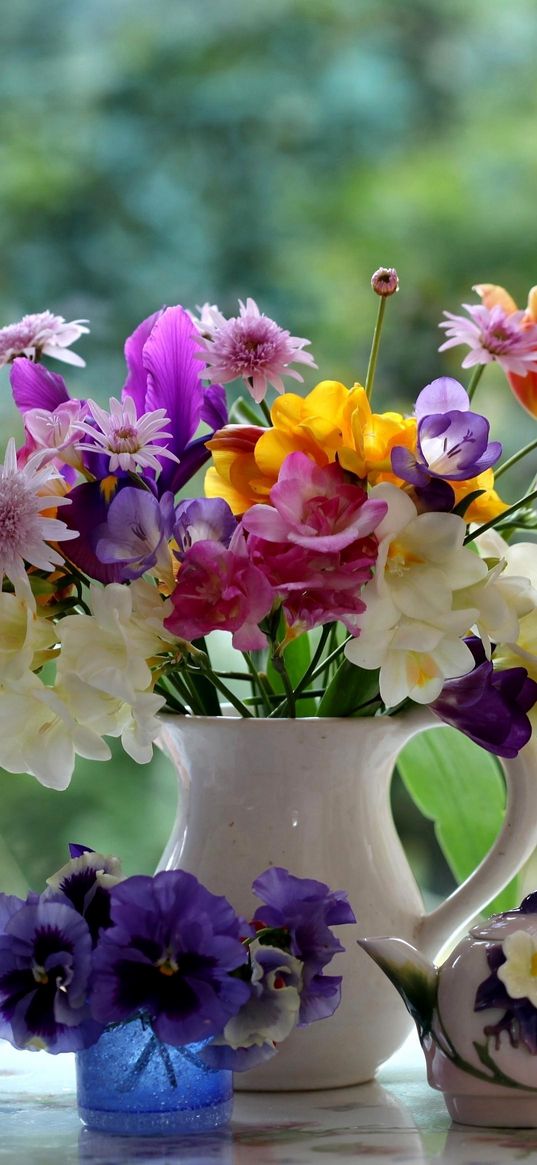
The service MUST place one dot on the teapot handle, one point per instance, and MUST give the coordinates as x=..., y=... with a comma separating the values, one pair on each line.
x=515, y=843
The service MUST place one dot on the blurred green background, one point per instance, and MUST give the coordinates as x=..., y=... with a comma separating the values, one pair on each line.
x=190, y=150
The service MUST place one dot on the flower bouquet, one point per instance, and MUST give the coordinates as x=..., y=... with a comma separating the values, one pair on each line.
x=359, y=560
x=160, y=987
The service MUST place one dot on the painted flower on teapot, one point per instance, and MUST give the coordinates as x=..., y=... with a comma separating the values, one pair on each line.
x=476, y=1015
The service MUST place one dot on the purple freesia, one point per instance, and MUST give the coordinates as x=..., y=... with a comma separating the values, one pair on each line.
x=306, y=909
x=452, y=441
x=488, y=705
x=168, y=956
x=203, y=520
x=45, y=963
x=134, y=535
x=164, y=372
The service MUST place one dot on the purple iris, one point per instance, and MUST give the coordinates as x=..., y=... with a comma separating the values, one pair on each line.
x=164, y=372
x=86, y=881
x=306, y=909
x=45, y=963
x=452, y=441
x=169, y=955
x=489, y=706
x=203, y=520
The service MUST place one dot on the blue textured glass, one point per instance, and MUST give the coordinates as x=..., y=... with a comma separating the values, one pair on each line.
x=129, y=1083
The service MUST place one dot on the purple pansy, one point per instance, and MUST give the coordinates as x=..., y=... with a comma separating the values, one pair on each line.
x=45, y=963
x=168, y=956
x=86, y=880
x=488, y=705
x=134, y=535
x=306, y=909
x=452, y=441
x=268, y=1016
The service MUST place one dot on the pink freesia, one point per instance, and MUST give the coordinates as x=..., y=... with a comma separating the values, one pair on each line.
x=315, y=507
x=56, y=430
x=218, y=588
x=316, y=588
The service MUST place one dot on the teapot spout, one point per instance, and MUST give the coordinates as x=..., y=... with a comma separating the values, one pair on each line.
x=414, y=977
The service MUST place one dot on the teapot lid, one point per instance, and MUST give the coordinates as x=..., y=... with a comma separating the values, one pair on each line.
x=499, y=926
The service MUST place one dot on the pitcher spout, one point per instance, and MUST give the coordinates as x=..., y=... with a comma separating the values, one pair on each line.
x=414, y=977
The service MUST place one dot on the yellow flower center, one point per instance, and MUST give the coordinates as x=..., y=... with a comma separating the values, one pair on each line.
x=167, y=965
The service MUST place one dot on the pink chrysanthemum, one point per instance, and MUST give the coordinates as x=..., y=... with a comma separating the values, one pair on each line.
x=126, y=438
x=42, y=334
x=24, y=531
x=493, y=335
x=251, y=346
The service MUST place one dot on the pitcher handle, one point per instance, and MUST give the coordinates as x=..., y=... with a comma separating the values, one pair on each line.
x=513, y=846
x=169, y=743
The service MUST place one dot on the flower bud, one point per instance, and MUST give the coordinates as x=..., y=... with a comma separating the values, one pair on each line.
x=385, y=281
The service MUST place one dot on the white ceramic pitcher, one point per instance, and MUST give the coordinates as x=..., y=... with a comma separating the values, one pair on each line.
x=314, y=795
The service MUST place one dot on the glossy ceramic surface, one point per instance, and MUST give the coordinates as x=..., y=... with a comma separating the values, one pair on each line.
x=313, y=795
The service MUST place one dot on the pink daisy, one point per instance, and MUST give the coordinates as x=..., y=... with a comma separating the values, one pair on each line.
x=128, y=440
x=42, y=334
x=251, y=346
x=493, y=335
x=24, y=531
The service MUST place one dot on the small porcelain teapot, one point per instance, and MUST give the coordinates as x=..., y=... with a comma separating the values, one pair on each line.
x=476, y=1016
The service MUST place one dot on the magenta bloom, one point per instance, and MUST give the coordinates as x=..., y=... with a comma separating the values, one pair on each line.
x=314, y=507
x=316, y=588
x=168, y=955
x=306, y=909
x=219, y=589
x=492, y=334
x=452, y=441
x=250, y=346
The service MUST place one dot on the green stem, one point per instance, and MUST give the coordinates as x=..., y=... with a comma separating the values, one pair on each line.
x=266, y=412
x=315, y=668
x=501, y=517
x=375, y=347
x=225, y=691
x=474, y=379
x=278, y=664
x=256, y=681
x=513, y=460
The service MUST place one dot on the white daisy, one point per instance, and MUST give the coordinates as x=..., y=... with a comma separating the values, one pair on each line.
x=25, y=532
x=126, y=438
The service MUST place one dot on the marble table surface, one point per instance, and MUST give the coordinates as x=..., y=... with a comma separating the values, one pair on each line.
x=396, y=1118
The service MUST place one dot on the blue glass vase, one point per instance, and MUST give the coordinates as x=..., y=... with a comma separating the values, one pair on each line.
x=131, y=1084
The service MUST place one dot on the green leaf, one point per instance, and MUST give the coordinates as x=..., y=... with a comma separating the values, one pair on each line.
x=350, y=689
x=466, y=502
x=297, y=656
x=243, y=413
x=461, y=788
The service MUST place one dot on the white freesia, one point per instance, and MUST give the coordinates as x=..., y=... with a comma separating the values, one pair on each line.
x=271, y=1012
x=519, y=972
x=502, y=599
x=521, y=561
x=38, y=734
x=415, y=658
x=421, y=558
x=109, y=649
x=411, y=628
x=25, y=637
